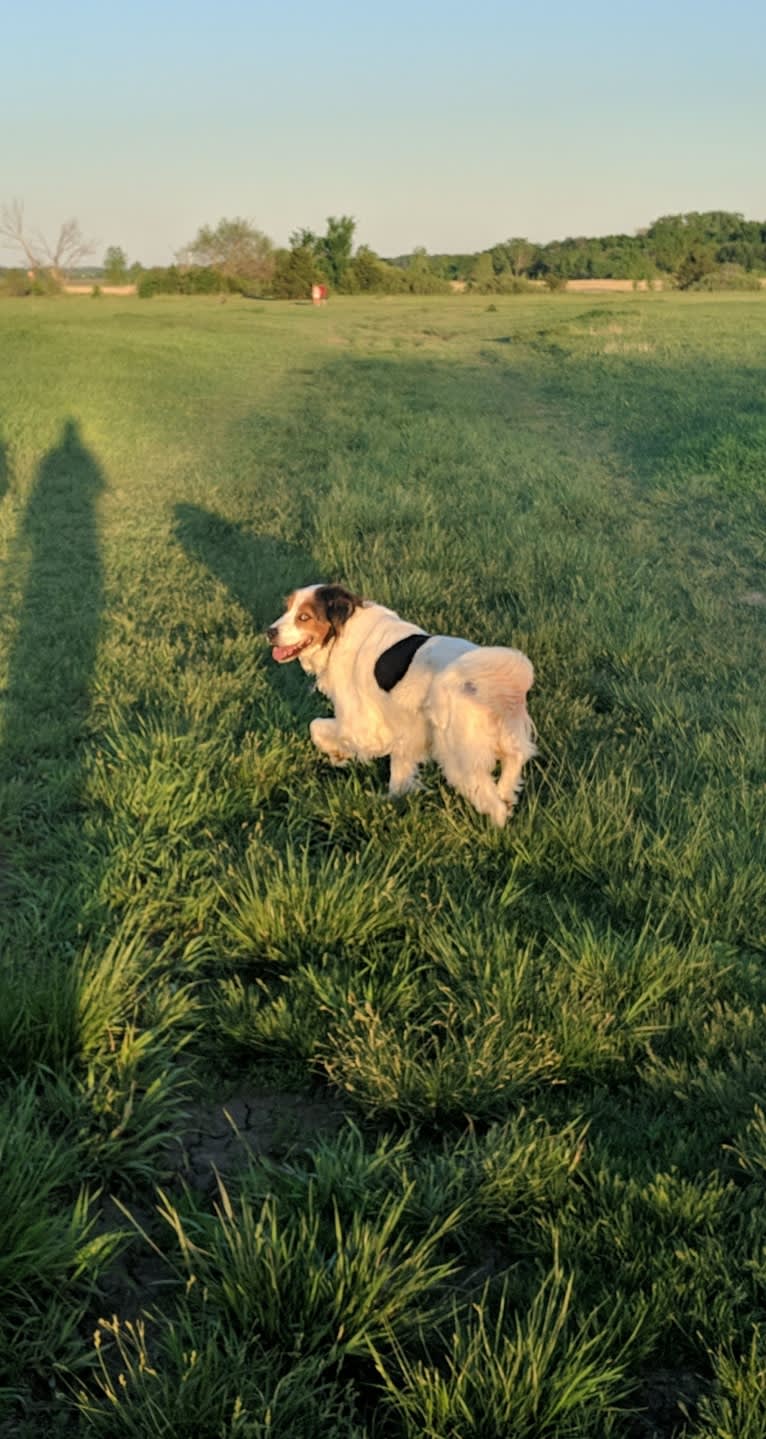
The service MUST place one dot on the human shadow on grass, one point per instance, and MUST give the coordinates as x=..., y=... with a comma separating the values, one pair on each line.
x=47, y=699
x=5, y=469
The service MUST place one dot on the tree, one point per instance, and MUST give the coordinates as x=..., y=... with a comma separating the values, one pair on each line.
x=334, y=248
x=68, y=250
x=235, y=248
x=515, y=255
x=483, y=274
x=295, y=272
x=115, y=266
x=304, y=239
x=521, y=254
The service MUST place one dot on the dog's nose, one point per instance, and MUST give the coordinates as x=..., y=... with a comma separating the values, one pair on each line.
x=271, y=634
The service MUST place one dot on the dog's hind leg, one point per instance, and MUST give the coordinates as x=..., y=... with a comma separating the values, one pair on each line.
x=516, y=747
x=469, y=771
x=484, y=796
x=509, y=783
x=480, y=790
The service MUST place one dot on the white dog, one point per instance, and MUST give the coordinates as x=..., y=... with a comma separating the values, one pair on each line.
x=398, y=691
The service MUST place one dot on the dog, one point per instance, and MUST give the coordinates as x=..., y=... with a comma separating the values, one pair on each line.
x=401, y=692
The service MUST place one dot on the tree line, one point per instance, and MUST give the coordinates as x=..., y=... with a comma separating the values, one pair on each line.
x=696, y=249
x=235, y=255
x=686, y=249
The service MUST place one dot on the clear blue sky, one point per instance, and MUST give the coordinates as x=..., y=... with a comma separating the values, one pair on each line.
x=450, y=126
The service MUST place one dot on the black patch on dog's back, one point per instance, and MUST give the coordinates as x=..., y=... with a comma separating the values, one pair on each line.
x=393, y=664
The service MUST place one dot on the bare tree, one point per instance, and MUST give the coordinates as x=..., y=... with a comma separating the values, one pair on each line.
x=68, y=250
x=15, y=236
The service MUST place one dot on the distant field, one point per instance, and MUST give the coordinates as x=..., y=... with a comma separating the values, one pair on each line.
x=497, y=1153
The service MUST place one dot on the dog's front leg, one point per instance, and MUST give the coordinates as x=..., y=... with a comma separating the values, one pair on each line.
x=325, y=735
x=404, y=773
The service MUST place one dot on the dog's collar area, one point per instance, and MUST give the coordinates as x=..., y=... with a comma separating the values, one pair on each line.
x=392, y=665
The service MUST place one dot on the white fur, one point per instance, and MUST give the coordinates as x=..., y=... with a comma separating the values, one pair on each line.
x=460, y=704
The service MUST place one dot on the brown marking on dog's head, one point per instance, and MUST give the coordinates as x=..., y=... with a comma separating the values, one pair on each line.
x=313, y=616
x=335, y=606
x=310, y=619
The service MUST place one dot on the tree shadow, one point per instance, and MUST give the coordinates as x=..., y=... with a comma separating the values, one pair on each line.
x=47, y=696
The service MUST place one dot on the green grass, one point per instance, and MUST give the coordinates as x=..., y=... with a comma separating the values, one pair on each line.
x=544, y=1206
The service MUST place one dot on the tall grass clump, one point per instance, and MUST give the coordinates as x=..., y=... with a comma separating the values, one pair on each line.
x=737, y=1404
x=301, y=906
x=159, y=1381
x=50, y=1251
x=501, y=1371
x=307, y=1278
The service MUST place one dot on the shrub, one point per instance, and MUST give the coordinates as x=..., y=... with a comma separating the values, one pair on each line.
x=513, y=285
x=44, y=283
x=421, y=277
x=555, y=283
x=698, y=263
x=728, y=277
x=367, y=273
x=187, y=280
x=15, y=284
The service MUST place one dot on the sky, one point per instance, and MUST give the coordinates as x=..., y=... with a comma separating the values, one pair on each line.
x=444, y=125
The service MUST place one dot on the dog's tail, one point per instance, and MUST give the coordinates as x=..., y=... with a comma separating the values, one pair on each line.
x=499, y=679
x=483, y=682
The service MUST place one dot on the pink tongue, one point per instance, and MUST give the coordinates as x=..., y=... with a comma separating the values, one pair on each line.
x=280, y=652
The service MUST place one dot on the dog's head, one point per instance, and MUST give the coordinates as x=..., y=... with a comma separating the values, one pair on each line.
x=314, y=616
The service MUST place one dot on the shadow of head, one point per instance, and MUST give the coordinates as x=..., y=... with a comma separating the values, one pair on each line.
x=257, y=570
x=68, y=480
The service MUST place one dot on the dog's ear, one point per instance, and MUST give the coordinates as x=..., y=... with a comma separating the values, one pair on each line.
x=337, y=604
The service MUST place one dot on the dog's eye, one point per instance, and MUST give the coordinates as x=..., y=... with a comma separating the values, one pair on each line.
x=302, y=617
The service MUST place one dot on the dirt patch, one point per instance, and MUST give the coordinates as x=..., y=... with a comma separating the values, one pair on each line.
x=627, y=347
x=666, y=1398
x=221, y=1137
x=753, y=597
x=105, y=289
x=588, y=287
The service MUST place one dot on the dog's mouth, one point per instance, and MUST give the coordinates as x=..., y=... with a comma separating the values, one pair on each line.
x=283, y=653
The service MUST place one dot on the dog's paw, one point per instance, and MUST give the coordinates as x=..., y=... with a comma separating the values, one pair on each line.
x=409, y=786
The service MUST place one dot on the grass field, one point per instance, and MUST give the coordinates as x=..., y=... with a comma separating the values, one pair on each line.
x=495, y=1158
